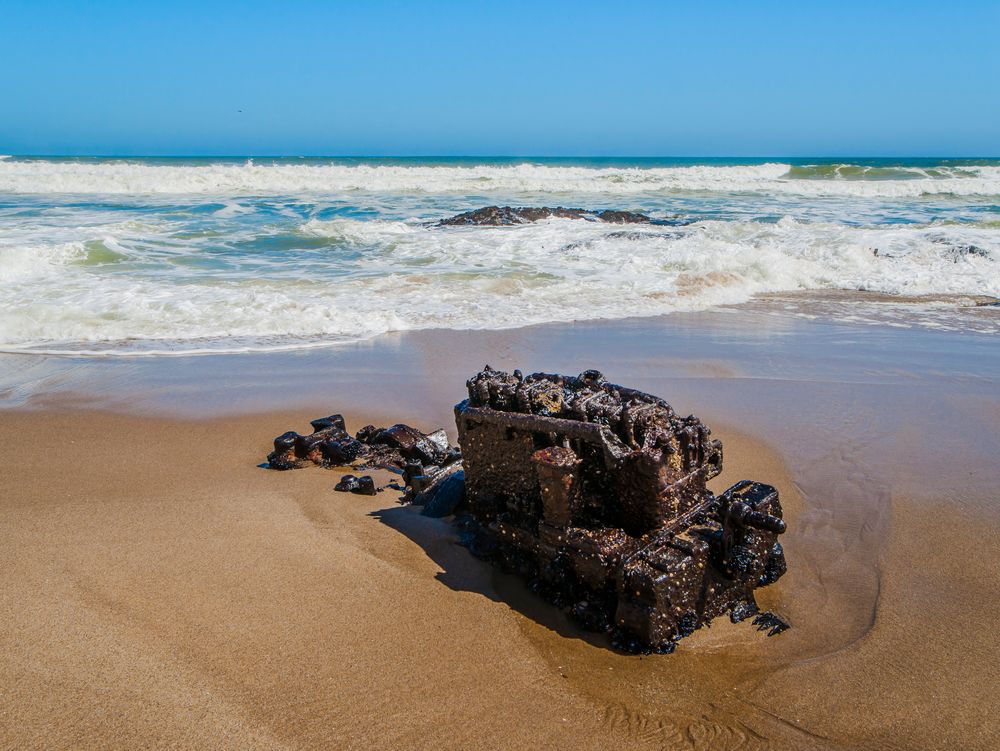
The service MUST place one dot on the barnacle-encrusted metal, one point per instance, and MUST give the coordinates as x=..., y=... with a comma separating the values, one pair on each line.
x=597, y=495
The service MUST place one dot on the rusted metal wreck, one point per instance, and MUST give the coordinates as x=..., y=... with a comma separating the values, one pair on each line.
x=594, y=493
x=597, y=495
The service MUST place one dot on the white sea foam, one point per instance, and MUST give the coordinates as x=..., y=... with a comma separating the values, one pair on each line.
x=22, y=263
x=215, y=256
x=224, y=179
x=376, y=276
x=233, y=208
x=354, y=231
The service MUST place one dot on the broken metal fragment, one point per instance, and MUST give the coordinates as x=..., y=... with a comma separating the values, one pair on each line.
x=771, y=623
x=326, y=423
x=330, y=445
x=347, y=484
x=283, y=456
x=341, y=451
x=410, y=442
x=444, y=496
x=594, y=493
x=364, y=485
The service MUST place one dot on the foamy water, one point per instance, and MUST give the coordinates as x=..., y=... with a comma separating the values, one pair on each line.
x=283, y=177
x=148, y=256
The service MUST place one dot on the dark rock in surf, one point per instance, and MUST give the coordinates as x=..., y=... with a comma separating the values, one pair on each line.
x=500, y=216
x=958, y=252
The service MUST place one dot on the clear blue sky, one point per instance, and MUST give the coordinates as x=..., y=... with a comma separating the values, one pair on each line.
x=510, y=78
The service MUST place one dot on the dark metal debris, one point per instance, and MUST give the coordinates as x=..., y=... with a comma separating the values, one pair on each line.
x=596, y=494
x=363, y=485
x=771, y=623
x=445, y=496
x=397, y=447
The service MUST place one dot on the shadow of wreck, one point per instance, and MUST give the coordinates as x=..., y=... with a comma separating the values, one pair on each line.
x=463, y=572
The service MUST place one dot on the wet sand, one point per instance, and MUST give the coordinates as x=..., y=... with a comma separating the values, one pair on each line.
x=159, y=589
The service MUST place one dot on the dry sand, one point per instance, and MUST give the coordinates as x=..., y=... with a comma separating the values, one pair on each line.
x=158, y=589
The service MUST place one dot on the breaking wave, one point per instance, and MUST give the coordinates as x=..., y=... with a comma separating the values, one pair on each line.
x=145, y=256
x=125, y=288
x=115, y=177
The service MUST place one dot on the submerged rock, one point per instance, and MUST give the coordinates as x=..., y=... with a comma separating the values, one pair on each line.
x=958, y=252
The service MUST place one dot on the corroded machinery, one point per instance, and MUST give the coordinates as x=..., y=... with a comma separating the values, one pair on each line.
x=596, y=494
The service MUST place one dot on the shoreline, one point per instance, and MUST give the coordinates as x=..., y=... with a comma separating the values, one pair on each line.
x=971, y=313
x=163, y=589
x=724, y=342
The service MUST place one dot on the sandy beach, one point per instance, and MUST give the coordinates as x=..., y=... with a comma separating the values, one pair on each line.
x=161, y=589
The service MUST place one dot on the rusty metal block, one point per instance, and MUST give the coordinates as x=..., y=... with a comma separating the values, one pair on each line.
x=597, y=494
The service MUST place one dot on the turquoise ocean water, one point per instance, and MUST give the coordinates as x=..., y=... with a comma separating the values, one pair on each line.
x=141, y=256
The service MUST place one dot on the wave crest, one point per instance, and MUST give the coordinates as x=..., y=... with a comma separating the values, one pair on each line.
x=384, y=275
x=63, y=177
